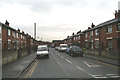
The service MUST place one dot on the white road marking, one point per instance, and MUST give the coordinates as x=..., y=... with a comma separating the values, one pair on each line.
x=68, y=61
x=98, y=76
x=87, y=64
x=115, y=76
x=91, y=65
x=61, y=56
x=84, y=71
x=111, y=74
x=58, y=62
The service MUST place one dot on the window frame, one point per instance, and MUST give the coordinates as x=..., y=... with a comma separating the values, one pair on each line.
x=118, y=27
x=109, y=29
x=97, y=32
x=9, y=32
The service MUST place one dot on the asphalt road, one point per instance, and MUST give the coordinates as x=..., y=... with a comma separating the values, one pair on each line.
x=61, y=65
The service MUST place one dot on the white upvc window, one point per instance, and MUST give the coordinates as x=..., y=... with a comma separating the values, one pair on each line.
x=17, y=44
x=91, y=33
x=79, y=37
x=96, y=32
x=86, y=34
x=14, y=44
x=17, y=35
x=118, y=27
x=0, y=29
x=9, y=32
x=109, y=29
x=9, y=44
x=14, y=34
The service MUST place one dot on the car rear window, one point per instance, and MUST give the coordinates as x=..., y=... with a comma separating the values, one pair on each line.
x=42, y=49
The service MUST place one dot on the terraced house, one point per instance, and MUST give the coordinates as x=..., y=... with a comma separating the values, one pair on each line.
x=102, y=39
x=15, y=44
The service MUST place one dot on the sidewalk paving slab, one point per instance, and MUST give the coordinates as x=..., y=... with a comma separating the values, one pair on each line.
x=15, y=68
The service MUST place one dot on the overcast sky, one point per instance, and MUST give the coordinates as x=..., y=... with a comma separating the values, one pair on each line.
x=56, y=19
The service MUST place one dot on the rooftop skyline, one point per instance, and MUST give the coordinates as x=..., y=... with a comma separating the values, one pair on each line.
x=56, y=19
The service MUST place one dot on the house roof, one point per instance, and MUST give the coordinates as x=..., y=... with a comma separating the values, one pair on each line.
x=103, y=24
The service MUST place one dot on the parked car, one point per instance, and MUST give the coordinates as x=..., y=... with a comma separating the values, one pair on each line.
x=42, y=51
x=56, y=48
x=75, y=51
x=63, y=47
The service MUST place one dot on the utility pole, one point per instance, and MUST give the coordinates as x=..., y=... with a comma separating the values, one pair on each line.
x=35, y=30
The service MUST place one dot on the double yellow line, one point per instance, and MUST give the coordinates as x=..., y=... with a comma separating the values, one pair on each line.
x=31, y=70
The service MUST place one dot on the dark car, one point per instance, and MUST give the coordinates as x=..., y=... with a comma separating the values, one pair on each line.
x=75, y=51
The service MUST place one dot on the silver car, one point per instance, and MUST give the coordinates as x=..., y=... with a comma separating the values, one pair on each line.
x=42, y=51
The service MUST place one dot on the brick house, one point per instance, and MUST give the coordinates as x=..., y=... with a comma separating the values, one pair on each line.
x=103, y=38
x=15, y=44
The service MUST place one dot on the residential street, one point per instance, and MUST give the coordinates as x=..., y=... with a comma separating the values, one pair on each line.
x=61, y=65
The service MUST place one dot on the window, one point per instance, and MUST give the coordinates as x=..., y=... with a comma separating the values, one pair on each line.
x=109, y=44
x=97, y=44
x=86, y=44
x=86, y=35
x=21, y=44
x=79, y=37
x=109, y=28
x=9, y=44
x=0, y=29
x=17, y=44
x=74, y=38
x=118, y=27
x=14, y=34
x=14, y=44
x=17, y=35
x=9, y=32
x=96, y=32
x=91, y=33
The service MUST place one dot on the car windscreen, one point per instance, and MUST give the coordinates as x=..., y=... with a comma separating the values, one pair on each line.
x=63, y=46
x=42, y=49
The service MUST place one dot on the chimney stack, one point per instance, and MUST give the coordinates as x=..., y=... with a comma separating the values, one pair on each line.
x=88, y=27
x=18, y=29
x=73, y=34
x=92, y=25
x=117, y=14
x=7, y=23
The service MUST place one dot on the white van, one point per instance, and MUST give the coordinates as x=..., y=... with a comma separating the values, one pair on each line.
x=63, y=47
x=42, y=51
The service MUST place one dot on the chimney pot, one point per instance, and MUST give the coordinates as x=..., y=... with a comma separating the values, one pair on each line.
x=7, y=23
x=92, y=25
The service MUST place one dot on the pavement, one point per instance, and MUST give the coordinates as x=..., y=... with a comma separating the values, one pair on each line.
x=15, y=68
x=103, y=59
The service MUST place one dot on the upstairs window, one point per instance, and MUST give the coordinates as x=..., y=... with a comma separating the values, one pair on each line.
x=9, y=32
x=0, y=29
x=91, y=33
x=17, y=35
x=118, y=27
x=86, y=35
x=96, y=32
x=109, y=29
x=14, y=34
